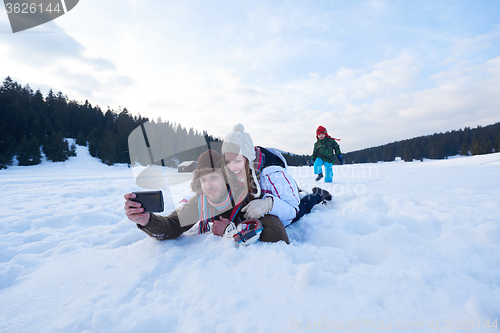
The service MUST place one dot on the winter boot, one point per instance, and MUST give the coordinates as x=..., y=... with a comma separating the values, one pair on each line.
x=325, y=195
x=319, y=177
x=309, y=201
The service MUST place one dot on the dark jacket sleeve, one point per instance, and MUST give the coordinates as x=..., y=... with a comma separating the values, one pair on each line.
x=315, y=152
x=336, y=147
x=173, y=225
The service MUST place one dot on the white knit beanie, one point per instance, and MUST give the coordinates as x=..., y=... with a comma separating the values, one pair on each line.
x=239, y=142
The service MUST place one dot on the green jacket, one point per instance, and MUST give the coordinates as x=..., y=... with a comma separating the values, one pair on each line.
x=324, y=149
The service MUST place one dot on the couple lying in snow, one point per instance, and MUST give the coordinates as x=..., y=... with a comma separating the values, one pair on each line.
x=246, y=194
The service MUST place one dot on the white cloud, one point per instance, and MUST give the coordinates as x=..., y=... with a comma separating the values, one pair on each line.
x=468, y=97
x=379, y=105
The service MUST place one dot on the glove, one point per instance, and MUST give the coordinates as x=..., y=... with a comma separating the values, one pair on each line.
x=341, y=160
x=230, y=230
x=181, y=205
x=248, y=232
x=258, y=208
x=219, y=226
x=311, y=163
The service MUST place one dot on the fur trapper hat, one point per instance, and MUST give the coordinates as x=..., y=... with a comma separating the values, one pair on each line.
x=208, y=162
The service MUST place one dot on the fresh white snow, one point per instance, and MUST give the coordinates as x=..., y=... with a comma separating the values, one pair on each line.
x=401, y=245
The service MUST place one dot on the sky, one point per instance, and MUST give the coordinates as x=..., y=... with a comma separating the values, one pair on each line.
x=371, y=72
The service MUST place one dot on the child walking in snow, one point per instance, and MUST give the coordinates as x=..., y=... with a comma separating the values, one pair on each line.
x=323, y=154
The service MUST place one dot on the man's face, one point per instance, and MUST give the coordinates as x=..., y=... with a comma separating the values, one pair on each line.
x=213, y=186
x=321, y=136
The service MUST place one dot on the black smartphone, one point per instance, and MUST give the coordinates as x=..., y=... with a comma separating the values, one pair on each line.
x=152, y=201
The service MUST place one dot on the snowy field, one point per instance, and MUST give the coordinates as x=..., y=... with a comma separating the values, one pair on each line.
x=402, y=246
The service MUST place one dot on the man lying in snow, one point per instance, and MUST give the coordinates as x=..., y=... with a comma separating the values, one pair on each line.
x=217, y=205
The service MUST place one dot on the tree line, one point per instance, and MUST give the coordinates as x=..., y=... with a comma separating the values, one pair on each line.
x=31, y=124
x=296, y=160
x=476, y=141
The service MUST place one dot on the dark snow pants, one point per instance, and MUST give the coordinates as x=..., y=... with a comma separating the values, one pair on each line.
x=306, y=204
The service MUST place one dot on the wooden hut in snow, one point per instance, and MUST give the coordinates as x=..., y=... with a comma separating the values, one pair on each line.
x=186, y=166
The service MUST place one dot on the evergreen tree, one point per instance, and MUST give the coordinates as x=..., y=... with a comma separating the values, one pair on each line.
x=407, y=155
x=418, y=154
x=28, y=152
x=80, y=139
x=56, y=148
x=124, y=126
x=477, y=149
x=488, y=148
x=36, y=124
x=497, y=144
x=23, y=152
x=440, y=151
x=467, y=137
x=464, y=151
x=93, y=147
x=36, y=155
x=38, y=104
x=7, y=150
x=107, y=149
x=388, y=154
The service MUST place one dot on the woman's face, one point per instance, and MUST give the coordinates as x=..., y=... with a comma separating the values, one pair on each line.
x=237, y=165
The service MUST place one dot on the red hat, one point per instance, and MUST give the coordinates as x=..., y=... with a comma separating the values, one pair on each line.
x=320, y=130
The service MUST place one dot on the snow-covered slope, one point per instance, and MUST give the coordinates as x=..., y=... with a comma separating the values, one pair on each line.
x=400, y=245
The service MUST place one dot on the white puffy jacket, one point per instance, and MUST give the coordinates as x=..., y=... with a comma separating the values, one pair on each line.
x=276, y=182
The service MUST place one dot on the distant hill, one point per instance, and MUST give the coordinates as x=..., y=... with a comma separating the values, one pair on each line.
x=477, y=141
